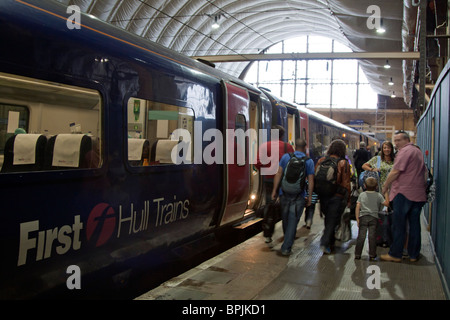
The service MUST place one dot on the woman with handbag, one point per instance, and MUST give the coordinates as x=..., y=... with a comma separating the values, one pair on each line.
x=386, y=162
x=381, y=165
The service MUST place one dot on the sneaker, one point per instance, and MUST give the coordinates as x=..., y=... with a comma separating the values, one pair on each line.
x=373, y=258
x=286, y=253
x=357, y=257
x=268, y=240
x=326, y=250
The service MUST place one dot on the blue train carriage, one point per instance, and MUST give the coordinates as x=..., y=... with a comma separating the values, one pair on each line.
x=93, y=182
x=433, y=138
x=287, y=116
x=322, y=130
x=316, y=129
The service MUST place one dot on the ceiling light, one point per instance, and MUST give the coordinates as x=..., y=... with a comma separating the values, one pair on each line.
x=387, y=65
x=391, y=83
x=381, y=29
x=215, y=25
x=393, y=94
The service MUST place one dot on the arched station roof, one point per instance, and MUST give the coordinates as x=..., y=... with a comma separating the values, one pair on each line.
x=251, y=26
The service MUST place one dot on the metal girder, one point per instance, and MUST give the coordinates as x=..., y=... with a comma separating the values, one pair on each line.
x=423, y=55
x=311, y=56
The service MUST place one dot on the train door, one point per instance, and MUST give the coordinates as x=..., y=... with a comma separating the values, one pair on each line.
x=237, y=167
x=255, y=125
x=282, y=120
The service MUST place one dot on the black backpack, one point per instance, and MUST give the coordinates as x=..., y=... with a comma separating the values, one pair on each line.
x=294, y=176
x=325, y=178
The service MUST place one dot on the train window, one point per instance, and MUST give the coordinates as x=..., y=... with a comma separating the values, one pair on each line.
x=327, y=138
x=353, y=143
x=12, y=118
x=315, y=140
x=48, y=126
x=240, y=148
x=154, y=129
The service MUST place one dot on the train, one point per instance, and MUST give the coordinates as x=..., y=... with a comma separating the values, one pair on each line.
x=433, y=138
x=89, y=120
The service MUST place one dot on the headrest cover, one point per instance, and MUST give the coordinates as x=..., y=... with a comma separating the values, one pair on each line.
x=135, y=147
x=25, y=149
x=164, y=150
x=66, y=152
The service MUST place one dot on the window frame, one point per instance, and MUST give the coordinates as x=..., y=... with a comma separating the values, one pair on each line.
x=14, y=178
x=304, y=78
x=138, y=169
x=244, y=148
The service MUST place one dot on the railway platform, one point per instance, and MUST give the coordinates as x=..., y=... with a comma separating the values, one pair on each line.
x=254, y=271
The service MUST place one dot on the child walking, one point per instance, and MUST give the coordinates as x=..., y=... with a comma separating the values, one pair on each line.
x=368, y=205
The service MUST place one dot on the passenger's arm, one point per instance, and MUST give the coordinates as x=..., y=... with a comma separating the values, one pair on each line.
x=367, y=167
x=276, y=182
x=393, y=175
x=357, y=210
x=310, y=189
x=386, y=199
x=345, y=179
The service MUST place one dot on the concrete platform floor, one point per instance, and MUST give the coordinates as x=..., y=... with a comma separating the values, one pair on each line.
x=254, y=271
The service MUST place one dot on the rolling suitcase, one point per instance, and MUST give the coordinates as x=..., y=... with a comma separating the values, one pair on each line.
x=384, y=231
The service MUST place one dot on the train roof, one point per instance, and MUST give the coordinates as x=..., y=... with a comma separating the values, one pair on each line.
x=53, y=15
x=312, y=113
x=325, y=119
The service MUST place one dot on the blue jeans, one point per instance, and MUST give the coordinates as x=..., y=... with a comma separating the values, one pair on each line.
x=406, y=210
x=291, y=211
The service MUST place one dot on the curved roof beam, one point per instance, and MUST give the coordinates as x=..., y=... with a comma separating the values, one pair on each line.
x=253, y=25
x=256, y=21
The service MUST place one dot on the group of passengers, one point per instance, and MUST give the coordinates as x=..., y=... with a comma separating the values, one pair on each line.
x=399, y=188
